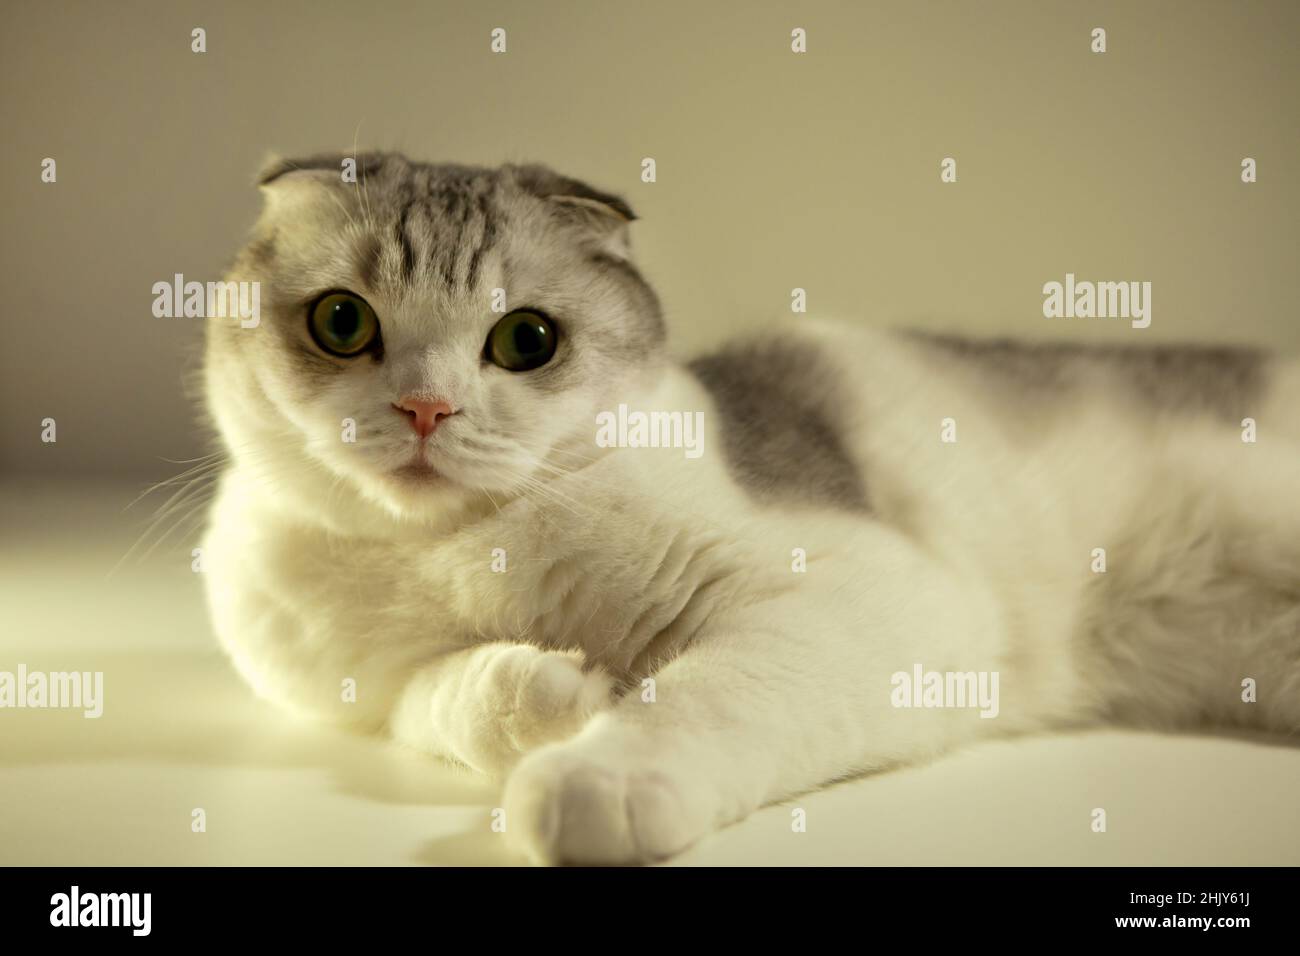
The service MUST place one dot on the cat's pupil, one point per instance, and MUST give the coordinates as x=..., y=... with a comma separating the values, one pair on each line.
x=528, y=338
x=345, y=321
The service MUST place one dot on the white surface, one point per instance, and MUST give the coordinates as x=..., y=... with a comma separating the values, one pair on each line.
x=180, y=731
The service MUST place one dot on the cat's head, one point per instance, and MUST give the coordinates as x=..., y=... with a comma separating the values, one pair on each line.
x=430, y=332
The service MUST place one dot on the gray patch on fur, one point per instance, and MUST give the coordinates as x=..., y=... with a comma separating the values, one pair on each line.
x=1223, y=381
x=780, y=404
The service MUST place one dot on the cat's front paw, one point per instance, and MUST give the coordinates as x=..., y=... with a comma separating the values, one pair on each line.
x=521, y=698
x=573, y=803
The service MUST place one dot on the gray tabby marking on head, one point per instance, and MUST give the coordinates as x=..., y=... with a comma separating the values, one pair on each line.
x=779, y=405
x=437, y=232
x=487, y=237
x=1222, y=381
x=445, y=218
x=433, y=220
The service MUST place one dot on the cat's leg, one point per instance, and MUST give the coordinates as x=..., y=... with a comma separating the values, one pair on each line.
x=486, y=705
x=766, y=704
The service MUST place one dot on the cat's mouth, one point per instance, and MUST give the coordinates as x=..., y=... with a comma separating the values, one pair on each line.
x=416, y=471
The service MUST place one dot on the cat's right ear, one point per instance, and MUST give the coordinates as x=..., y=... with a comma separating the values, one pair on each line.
x=296, y=185
x=322, y=167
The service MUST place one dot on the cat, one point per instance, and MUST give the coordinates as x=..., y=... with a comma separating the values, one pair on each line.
x=418, y=534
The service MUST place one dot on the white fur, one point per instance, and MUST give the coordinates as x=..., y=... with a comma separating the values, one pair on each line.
x=768, y=682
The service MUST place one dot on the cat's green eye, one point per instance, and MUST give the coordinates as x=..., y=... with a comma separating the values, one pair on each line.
x=522, y=340
x=343, y=324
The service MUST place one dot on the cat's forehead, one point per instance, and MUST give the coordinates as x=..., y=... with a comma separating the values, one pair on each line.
x=446, y=186
x=402, y=228
x=445, y=237
x=435, y=224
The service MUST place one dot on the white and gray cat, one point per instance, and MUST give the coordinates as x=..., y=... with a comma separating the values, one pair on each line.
x=419, y=533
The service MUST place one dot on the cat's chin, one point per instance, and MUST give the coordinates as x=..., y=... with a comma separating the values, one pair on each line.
x=416, y=492
x=418, y=485
x=419, y=491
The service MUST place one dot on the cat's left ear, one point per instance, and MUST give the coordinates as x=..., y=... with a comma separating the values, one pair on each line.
x=605, y=214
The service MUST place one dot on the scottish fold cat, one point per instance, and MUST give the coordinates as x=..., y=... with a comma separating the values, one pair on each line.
x=461, y=507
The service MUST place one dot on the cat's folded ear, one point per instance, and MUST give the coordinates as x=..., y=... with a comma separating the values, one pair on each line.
x=296, y=187
x=323, y=167
x=546, y=183
x=604, y=213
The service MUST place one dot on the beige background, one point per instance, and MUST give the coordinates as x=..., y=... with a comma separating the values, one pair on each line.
x=775, y=171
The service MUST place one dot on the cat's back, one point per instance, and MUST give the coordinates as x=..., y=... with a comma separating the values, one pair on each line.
x=786, y=414
x=973, y=437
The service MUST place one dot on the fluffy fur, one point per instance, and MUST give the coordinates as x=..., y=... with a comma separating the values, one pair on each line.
x=325, y=564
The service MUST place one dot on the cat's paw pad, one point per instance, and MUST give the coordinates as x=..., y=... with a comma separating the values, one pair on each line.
x=564, y=807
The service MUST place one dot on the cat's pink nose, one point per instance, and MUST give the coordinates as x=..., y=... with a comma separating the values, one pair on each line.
x=423, y=415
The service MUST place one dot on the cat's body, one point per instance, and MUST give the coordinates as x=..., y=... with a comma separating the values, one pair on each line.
x=652, y=645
